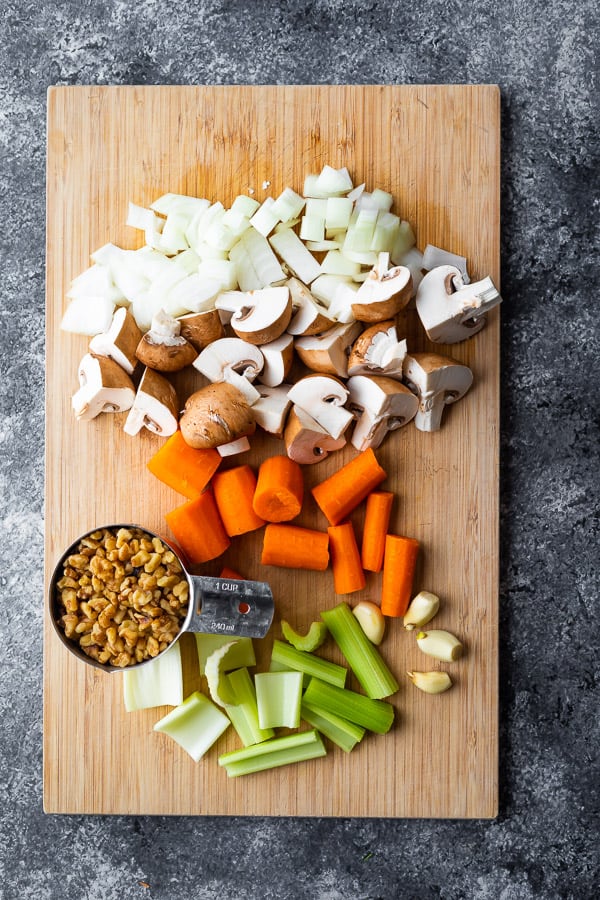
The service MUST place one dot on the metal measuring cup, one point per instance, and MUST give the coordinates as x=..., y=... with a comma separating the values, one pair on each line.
x=226, y=606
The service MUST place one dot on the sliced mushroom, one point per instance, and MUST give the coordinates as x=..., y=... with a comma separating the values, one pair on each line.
x=328, y=352
x=377, y=351
x=450, y=310
x=229, y=302
x=306, y=442
x=103, y=387
x=163, y=348
x=271, y=409
x=309, y=314
x=201, y=329
x=278, y=356
x=384, y=293
x=382, y=405
x=120, y=341
x=437, y=381
x=232, y=360
x=323, y=398
x=215, y=415
x=155, y=407
x=264, y=316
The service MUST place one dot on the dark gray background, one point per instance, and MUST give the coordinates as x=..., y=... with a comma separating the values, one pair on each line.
x=542, y=54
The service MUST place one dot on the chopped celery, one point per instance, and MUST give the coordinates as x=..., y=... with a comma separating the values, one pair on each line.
x=308, y=663
x=216, y=666
x=195, y=725
x=363, y=657
x=155, y=683
x=243, y=655
x=244, y=715
x=291, y=748
x=312, y=640
x=343, y=733
x=375, y=715
x=278, y=697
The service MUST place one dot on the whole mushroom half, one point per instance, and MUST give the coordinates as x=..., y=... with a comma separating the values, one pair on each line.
x=309, y=314
x=120, y=341
x=384, y=293
x=382, y=405
x=377, y=351
x=234, y=361
x=328, y=352
x=450, y=310
x=264, y=316
x=437, y=381
x=306, y=442
x=155, y=407
x=103, y=387
x=163, y=348
x=323, y=398
x=216, y=415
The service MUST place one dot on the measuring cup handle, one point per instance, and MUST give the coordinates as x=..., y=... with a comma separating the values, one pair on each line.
x=229, y=606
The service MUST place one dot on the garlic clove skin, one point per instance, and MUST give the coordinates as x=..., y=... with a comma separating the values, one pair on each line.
x=422, y=609
x=371, y=620
x=440, y=644
x=431, y=682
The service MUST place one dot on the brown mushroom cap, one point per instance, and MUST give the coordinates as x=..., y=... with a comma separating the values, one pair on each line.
x=201, y=329
x=215, y=415
x=171, y=356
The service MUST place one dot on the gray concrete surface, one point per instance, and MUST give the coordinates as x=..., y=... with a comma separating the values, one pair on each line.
x=543, y=56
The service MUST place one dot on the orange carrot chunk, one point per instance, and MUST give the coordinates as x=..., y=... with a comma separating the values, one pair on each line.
x=348, y=575
x=198, y=529
x=377, y=520
x=234, y=492
x=295, y=548
x=399, y=562
x=339, y=494
x=182, y=468
x=231, y=574
x=279, y=489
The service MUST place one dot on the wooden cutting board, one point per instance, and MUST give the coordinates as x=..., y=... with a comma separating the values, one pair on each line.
x=436, y=148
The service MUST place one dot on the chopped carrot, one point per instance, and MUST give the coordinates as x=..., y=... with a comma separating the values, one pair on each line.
x=399, y=563
x=279, y=489
x=295, y=548
x=339, y=494
x=234, y=492
x=231, y=574
x=377, y=520
x=183, y=468
x=198, y=528
x=348, y=575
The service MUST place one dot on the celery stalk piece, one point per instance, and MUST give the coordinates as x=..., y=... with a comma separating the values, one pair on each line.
x=280, y=667
x=278, y=697
x=363, y=657
x=244, y=715
x=374, y=715
x=195, y=725
x=312, y=640
x=291, y=748
x=243, y=655
x=308, y=663
x=156, y=683
x=343, y=733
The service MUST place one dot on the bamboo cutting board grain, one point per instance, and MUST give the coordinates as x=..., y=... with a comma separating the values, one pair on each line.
x=437, y=149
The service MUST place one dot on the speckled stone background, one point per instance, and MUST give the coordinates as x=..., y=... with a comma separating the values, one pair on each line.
x=544, y=843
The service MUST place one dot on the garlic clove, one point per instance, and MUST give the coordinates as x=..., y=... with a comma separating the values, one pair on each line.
x=371, y=620
x=422, y=609
x=431, y=682
x=440, y=644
